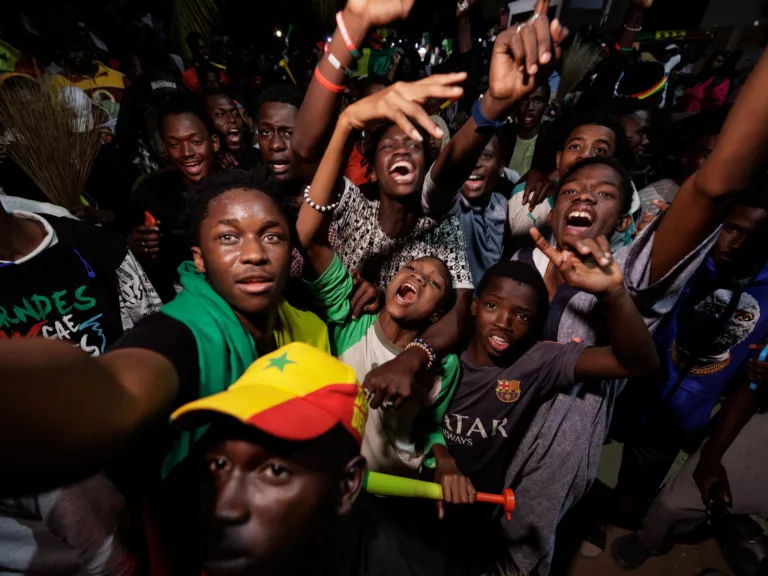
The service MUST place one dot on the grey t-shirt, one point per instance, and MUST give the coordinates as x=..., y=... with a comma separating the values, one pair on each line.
x=493, y=407
x=557, y=460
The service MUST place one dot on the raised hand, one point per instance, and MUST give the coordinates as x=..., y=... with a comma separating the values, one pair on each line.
x=380, y=12
x=401, y=101
x=587, y=264
x=524, y=55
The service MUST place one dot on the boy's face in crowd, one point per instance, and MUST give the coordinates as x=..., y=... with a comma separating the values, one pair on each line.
x=585, y=142
x=741, y=245
x=530, y=109
x=275, y=124
x=400, y=163
x=188, y=145
x=227, y=120
x=271, y=505
x=698, y=153
x=245, y=250
x=636, y=128
x=415, y=293
x=504, y=314
x=588, y=204
x=486, y=174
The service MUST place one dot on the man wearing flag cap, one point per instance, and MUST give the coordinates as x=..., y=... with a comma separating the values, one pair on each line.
x=284, y=475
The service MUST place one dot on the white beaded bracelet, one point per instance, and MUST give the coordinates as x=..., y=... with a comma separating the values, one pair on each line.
x=317, y=207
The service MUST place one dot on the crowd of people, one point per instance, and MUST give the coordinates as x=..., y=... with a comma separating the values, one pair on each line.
x=282, y=278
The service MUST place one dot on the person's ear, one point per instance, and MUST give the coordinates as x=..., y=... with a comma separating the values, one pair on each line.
x=549, y=220
x=197, y=256
x=216, y=143
x=372, y=176
x=352, y=481
x=557, y=160
x=473, y=307
x=624, y=223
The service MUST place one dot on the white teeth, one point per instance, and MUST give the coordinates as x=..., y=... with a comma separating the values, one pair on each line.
x=581, y=214
x=402, y=164
x=409, y=285
x=499, y=339
x=474, y=177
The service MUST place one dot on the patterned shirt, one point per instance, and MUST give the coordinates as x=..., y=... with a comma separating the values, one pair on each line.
x=364, y=246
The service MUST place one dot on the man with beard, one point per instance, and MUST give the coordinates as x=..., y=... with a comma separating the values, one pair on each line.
x=236, y=146
x=704, y=346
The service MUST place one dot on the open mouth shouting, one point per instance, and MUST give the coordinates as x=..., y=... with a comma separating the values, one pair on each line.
x=499, y=342
x=403, y=172
x=475, y=182
x=233, y=138
x=407, y=293
x=578, y=222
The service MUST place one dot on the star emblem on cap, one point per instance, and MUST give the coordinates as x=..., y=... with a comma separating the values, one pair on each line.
x=279, y=362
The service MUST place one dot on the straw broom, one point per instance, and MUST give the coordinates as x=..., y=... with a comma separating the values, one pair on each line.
x=578, y=61
x=53, y=135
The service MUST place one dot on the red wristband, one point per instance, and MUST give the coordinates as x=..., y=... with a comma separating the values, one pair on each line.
x=327, y=84
x=345, y=34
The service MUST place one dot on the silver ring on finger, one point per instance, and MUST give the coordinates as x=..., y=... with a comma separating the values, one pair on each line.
x=388, y=404
x=533, y=18
x=520, y=27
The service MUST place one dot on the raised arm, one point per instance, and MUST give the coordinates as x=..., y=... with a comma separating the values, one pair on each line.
x=704, y=199
x=589, y=266
x=397, y=103
x=318, y=110
x=522, y=58
x=65, y=413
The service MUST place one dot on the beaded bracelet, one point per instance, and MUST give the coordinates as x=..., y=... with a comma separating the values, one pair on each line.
x=317, y=207
x=422, y=344
x=345, y=34
x=327, y=84
x=637, y=29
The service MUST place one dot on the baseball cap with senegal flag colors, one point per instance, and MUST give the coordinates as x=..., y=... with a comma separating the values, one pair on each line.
x=296, y=393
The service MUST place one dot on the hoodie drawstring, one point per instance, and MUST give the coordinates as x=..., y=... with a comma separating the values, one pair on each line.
x=91, y=273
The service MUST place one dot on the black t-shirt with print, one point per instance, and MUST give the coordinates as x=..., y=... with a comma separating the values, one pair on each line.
x=69, y=291
x=493, y=407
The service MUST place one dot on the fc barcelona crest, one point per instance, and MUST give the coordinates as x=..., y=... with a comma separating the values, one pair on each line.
x=508, y=390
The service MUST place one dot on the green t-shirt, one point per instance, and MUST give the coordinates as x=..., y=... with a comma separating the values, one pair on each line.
x=395, y=441
x=522, y=156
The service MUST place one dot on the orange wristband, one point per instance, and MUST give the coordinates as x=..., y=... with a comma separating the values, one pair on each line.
x=327, y=84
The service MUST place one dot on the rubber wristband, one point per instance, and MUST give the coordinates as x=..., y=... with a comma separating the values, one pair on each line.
x=327, y=84
x=345, y=34
x=484, y=123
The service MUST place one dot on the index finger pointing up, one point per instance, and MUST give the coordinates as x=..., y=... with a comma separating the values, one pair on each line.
x=542, y=7
x=549, y=251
